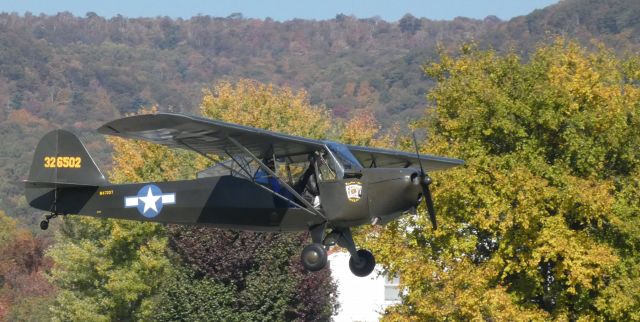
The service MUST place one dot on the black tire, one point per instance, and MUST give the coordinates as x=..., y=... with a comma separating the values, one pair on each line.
x=364, y=265
x=314, y=257
x=44, y=225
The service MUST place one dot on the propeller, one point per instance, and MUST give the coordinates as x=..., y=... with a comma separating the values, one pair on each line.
x=425, y=181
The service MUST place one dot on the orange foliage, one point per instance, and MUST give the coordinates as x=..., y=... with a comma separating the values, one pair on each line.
x=24, y=117
x=22, y=264
x=364, y=129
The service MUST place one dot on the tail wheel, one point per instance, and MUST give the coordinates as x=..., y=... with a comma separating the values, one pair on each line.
x=45, y=223
x=364, y=264
x=314, y=257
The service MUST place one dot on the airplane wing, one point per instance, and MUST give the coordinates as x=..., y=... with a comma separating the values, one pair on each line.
x=209, y=136
x=384, y=158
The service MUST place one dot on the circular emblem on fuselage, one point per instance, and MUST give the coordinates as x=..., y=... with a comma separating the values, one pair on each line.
x=149, y=200
x=354, y=190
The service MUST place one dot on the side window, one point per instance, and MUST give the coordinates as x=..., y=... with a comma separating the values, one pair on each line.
x=325, y=171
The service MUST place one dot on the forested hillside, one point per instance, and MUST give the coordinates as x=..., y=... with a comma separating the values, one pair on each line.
x=78, y=72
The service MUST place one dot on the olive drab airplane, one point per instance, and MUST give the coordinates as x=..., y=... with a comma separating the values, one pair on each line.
x=268, y=181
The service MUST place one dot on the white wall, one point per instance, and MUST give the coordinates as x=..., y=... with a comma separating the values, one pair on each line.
x=361, y=298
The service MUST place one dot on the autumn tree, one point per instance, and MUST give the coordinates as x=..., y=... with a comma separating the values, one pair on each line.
x=542, y=221
x=364, y=129
x=24, y=291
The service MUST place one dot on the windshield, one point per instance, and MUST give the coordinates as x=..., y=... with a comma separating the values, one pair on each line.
x=344, y=156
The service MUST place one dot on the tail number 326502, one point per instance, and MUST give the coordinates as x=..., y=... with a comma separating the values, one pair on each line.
x=62, y=162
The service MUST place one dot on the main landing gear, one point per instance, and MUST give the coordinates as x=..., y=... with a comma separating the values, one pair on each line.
x=44, y=225
x=314, y=256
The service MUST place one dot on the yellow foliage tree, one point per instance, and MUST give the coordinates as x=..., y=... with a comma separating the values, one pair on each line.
x=268, y=107
x=539, y=223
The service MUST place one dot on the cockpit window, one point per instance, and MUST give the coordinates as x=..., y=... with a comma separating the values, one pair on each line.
x=344, y=156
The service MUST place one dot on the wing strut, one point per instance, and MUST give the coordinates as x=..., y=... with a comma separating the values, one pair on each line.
x=239, y=164
x=264, y=167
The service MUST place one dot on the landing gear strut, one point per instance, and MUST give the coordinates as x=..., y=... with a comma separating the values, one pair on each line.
x=362, y=261
x=314, y=256
x=44, y=225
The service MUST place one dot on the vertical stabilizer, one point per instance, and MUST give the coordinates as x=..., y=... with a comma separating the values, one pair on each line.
x=61, y=158
x=60, y=161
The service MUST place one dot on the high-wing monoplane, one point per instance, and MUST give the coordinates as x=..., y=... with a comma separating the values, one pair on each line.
x=266, y=181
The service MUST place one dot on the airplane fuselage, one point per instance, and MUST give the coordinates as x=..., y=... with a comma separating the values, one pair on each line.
x=233, y=202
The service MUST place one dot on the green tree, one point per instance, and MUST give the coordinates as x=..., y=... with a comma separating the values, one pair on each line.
x=542, y=221
x=107, y=269
x=192, y=298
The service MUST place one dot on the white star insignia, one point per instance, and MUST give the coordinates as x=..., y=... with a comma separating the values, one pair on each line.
x=149, y=201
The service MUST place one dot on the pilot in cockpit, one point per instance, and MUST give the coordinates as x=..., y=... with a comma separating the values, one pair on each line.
x=262, y=177
x=307, y=185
